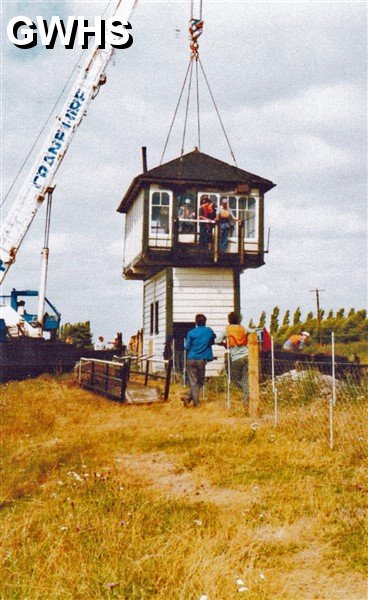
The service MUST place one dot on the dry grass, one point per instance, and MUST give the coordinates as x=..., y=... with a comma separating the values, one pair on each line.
x=105, y=501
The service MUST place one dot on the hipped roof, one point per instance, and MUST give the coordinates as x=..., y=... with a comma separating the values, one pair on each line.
x=195, y=168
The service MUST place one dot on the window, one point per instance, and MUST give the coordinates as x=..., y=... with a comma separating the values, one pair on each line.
x=154, y=318
x=244, y=208
x=186, y=211
x=151, y=319
x=160, y=214
x=247, y=211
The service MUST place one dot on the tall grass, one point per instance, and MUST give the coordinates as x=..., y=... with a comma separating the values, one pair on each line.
x=83, y=518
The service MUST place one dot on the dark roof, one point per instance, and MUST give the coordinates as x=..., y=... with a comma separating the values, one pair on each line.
x=195, y=168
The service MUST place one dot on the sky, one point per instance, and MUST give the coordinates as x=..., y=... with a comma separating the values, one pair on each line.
x=289, y=79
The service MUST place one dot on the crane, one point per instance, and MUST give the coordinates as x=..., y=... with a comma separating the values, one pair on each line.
x=39, y=180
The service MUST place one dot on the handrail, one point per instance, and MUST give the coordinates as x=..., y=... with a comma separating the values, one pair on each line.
x=124, y=365
x=100, y=360
x=151, y=358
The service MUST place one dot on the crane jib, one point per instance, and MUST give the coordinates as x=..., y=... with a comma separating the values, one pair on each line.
x=57, y=145
x=40, y=178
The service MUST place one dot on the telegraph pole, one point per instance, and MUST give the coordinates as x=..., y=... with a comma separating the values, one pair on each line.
x=317, y=291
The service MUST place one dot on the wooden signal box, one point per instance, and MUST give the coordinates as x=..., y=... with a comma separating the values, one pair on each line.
x=182, y=260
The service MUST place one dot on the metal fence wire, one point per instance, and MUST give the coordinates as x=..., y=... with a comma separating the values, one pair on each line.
x=317, y=394
x=311, y=396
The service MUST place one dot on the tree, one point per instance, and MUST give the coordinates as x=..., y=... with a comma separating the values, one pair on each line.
x=78, y=334
x=297, y=315
x=321, y=314
x=340, y=313
x=286, y=319
x=274, y=325
x=251, y=324
x=351, y=312
x=309, y=316
x=330, y=314
x=262, y=320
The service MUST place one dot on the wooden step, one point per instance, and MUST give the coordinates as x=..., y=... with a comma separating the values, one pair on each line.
x=139, y=394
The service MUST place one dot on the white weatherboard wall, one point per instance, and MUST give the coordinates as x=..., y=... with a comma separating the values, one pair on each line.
x=133, y=230
x=207, y=291
x=155, y=291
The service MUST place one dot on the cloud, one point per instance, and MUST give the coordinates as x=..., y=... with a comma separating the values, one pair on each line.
x=288, y=80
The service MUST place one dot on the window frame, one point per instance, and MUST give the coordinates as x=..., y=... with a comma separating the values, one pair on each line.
x=254, y=239
x=154, y=318
x=152, y=235
x=156, y=313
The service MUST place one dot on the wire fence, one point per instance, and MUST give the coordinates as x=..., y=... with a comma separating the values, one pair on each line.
x=316, y=395
x=311, y=396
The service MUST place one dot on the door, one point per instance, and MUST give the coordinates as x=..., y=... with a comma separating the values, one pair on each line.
x=180, y=331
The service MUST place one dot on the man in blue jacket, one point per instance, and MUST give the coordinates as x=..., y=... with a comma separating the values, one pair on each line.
x=198, y=345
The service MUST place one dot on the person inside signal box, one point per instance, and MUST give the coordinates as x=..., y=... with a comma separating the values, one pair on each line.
x=296, y=342
x=207, y=215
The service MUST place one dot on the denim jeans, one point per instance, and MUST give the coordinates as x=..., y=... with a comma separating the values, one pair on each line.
x=224, y=235
x=196, y=371
x=239, y=375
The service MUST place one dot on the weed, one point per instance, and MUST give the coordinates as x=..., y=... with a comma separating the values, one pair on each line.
x=104, y=501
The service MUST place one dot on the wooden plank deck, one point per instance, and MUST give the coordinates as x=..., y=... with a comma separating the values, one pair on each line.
x=138, y=394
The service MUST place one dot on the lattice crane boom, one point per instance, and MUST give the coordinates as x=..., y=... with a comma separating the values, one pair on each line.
x=41, y=176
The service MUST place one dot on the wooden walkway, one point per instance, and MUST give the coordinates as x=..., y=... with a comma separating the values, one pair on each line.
x=117, y=381
x=137, y=393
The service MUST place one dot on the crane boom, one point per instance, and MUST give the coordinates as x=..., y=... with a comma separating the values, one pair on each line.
x=16, y=224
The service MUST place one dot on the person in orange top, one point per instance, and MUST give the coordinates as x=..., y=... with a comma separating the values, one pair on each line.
x=296, y=341
x=236, y=340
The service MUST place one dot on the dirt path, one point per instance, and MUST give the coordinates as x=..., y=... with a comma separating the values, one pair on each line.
x=301, y=576
x=158, y=472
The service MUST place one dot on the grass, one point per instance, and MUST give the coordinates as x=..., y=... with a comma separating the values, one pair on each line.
x=105, y=501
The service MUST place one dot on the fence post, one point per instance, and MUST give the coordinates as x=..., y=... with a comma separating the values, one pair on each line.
x=333, y=397
x=174, y=361
x=124, y=376
x=275, y=405
x=228, y=399
x=168, y=379
x=147, y=373
x=333, y=369
x=253, y=374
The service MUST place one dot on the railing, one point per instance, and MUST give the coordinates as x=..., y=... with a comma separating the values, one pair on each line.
x=188, y=231
x=108, y=378
x=146, y=370
x=204, y=233
x=111, y=378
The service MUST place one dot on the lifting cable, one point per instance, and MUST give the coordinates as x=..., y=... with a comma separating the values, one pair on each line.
x=217, y=112
x=187, y=107
x=46, y=121
x=198, y=113
x=195, y=30
x=175, y=113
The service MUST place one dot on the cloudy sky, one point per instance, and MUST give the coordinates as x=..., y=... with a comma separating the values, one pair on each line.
x=289, y=79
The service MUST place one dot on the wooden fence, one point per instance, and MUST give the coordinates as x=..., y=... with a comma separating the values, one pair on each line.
x=112, y=378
